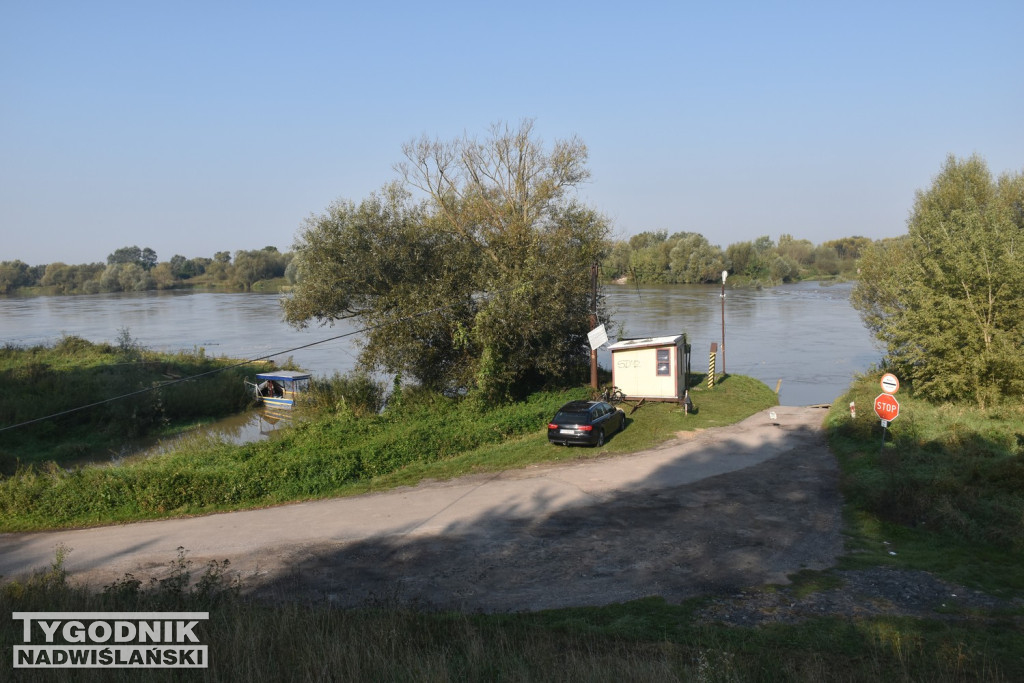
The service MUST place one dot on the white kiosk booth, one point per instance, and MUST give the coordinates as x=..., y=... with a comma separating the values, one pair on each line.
x=655, y=368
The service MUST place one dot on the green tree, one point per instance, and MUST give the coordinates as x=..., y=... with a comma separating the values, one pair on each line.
x=694, y=260
x=483, y=284
x=125, y=277
x=162, y=277
x=263, y=264
x=179, y=267
x=70, y=279
x=125, y=255
x=650, y=259
x=825, y=260
x=148, y=259
x=143, y=258
x=14, y=274
x=800, y=252
x=752, y=260
x=738, y=256
x=849, y=247
x=946, y=298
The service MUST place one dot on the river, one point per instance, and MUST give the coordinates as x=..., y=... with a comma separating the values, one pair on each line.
x=806, y=335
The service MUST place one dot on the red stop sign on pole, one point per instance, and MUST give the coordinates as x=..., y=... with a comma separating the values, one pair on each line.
x=887, y=407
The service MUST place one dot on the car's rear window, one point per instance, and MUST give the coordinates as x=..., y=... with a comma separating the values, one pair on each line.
x=570, y=417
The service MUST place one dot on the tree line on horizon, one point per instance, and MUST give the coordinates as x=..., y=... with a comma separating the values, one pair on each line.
x=689, y=258
x=648, y=257
x=131, y=269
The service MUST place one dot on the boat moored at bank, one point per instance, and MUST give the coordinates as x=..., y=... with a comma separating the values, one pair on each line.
x=279, y=389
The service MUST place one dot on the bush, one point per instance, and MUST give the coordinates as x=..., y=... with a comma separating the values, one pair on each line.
x=355, y=391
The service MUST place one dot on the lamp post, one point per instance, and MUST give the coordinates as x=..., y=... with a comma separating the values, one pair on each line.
x=725, y=274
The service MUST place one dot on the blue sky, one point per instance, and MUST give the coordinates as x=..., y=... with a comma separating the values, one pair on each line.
x=195, y=127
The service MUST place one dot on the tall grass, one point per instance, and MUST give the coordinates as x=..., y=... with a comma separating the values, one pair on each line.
x=48, y=380
x=644, y=640
x=356, y=392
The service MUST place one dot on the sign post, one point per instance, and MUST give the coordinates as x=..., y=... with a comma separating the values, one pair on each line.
x=887, y=408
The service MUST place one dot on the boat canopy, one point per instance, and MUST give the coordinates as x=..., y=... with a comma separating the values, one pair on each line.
x=283, y=376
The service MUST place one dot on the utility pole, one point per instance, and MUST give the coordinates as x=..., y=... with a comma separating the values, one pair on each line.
x=593, y=324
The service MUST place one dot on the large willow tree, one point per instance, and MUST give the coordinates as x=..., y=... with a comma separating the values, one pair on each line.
x=947, y=299
x=471, y=272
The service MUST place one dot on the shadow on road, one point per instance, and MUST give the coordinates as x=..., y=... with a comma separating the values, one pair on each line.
x=722, y=533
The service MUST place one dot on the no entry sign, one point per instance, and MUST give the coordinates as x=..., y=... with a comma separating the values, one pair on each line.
x=890, y=384
x=886, y=407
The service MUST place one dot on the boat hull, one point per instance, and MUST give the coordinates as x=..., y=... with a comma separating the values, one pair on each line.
x=274, y=402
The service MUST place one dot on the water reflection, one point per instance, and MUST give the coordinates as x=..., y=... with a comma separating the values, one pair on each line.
x=253, y=425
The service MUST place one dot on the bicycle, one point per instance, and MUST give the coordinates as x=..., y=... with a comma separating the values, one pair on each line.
x=613, y=395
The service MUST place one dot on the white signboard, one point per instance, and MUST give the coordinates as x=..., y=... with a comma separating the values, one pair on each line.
x=598, y=337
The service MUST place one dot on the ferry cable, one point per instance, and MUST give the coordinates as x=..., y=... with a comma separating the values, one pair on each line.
x=145, y=390
x=216, y=370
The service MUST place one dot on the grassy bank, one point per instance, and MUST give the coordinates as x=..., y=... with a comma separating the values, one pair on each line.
x=944, y=493
x=48, y=380
x=342, y=453
x=644, y=640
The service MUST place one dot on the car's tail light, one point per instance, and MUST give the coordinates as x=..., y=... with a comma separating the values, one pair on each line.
x=585, y=428
x=552, y=425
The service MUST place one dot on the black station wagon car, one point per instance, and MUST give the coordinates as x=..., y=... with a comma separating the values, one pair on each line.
x=585, y=422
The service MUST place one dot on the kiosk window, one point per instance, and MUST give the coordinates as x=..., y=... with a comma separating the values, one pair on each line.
x=664, y=365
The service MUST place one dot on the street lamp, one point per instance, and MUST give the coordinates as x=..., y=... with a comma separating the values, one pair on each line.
x=725, y=274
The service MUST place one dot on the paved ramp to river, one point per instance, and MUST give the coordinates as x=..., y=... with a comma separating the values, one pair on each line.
x=713, y=510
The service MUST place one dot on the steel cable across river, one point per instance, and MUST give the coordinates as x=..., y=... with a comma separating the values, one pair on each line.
x=805, y=334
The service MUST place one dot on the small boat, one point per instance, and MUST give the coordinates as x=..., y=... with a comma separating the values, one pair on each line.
x=279, y=389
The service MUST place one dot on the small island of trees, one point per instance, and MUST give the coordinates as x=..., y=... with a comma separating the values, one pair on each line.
x=131, y=269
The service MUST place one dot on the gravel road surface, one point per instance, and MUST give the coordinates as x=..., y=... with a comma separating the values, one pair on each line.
x=711, y=511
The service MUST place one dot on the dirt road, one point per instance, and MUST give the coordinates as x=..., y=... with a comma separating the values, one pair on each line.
x=715, y=510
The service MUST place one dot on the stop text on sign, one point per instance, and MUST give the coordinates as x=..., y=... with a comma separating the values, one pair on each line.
x=886, y=407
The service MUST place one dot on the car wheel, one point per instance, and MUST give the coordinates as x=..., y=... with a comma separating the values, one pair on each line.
x=600, y=438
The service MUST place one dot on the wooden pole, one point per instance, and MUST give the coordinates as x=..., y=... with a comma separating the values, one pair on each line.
x=593, y=324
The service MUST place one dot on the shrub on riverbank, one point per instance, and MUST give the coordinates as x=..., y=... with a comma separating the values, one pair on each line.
x=949, y=481
x=43, y=381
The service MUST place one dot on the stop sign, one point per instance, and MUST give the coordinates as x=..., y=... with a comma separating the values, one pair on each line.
x=887, y=407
